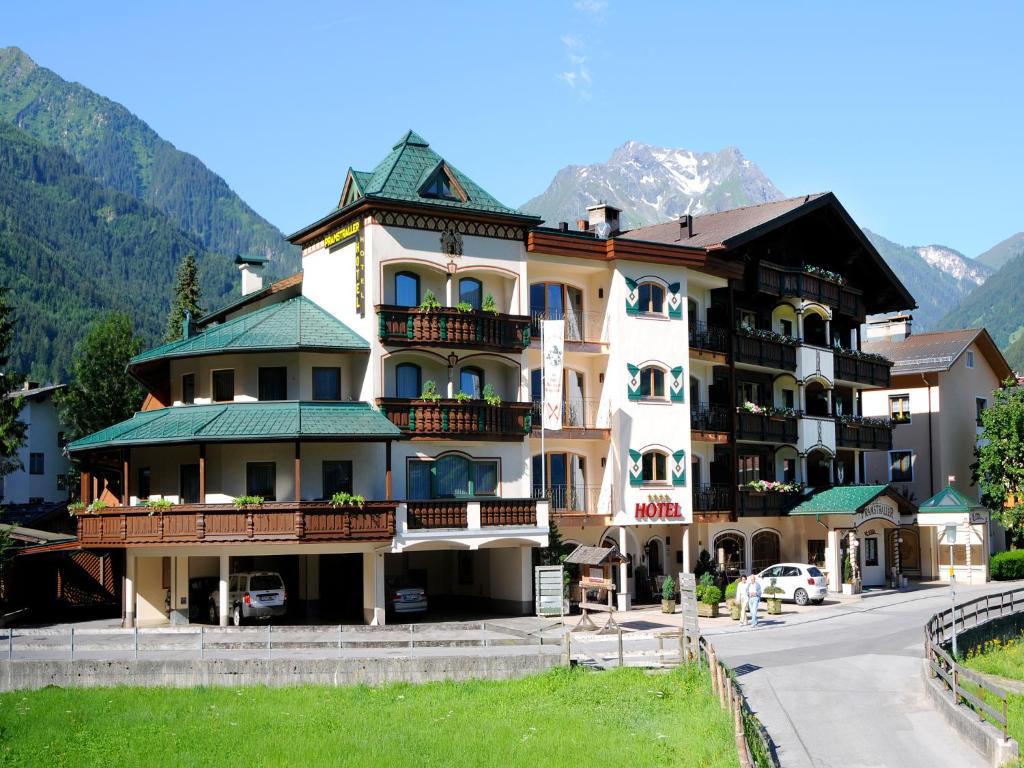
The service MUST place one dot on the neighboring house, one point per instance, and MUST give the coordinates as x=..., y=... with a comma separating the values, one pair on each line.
x=941, y=382
x=702, y=361
x=43, y=476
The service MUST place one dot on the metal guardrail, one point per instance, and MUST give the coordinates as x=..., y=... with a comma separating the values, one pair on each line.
x=941, y=628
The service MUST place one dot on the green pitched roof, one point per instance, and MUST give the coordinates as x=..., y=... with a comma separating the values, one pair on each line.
x=841, y=500
x=410, y=164
x=949, y=499
x=233, y=422
x=297, y=323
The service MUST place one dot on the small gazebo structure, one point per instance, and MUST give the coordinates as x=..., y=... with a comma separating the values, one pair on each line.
x=969, y=522
x=595, y=565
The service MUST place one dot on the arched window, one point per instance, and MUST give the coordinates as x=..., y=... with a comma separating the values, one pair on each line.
x=765, y=550
x=471, y=381
x=408, y=380
x=407, y=289
x=652, y=299
x=729, y=549
x=471, y=291
x=655, y=467
x=652, y=383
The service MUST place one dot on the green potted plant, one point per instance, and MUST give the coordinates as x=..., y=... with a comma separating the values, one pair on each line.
x=429, y=392
x=489, y=305
x=668, y=595
x=730, y=599
x=464, y=306
x=344, y=499
x=157, y=504
x=491, y=395
x=851, y=585
x=429, y=302
x=462, y=397
x=247, y=502
x=774, y=603
x=709, y=599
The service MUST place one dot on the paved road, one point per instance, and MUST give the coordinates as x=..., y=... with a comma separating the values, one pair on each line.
x=843, y=689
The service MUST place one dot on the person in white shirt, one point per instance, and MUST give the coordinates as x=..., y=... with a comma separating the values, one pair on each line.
x=752, y=589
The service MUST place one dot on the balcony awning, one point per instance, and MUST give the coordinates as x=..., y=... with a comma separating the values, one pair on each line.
x=238, y=422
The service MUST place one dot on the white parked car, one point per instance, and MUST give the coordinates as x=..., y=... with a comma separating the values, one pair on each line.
x=800, y=583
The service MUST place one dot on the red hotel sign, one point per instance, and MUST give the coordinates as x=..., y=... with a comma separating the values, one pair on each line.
x=658, y=510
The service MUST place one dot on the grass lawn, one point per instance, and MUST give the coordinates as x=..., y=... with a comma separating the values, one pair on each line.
x=1006, y=659
x=560, y=718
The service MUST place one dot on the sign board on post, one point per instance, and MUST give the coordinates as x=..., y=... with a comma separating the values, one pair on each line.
x=548, y=590
x=554, y=352
x=688, y=608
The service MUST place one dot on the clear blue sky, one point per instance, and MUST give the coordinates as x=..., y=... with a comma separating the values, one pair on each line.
x=910, y=111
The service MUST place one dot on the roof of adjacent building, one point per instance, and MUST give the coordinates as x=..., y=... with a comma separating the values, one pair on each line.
x=36, y=392
x=949, y=499
x=937, y=352
x=292, y=282
x=584, y=555
x=841, y=500
x=296, y=323
x=233, y=422
x=35, y=536
x=717, y=229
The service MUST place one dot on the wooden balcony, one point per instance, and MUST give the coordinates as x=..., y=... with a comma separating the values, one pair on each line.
x=866, y=436
x=272, y=521
x=765, y=503
x=853, y=368
x=712, y=498
x=781, y=281
x=768, y=353
x=710, y=423
x=455, y=420
x=436, y=513
x=708, y=338
x=766, y=429
x=448, y=327
x=505, y=512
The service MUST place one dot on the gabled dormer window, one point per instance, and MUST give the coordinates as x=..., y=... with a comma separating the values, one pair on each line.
x=443, y=185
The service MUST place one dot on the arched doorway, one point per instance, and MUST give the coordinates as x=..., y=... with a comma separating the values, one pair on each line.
x=814, y=330
x=819, y=469
x=766, y=548
x=817, y=399
x=730, y=553
x=655, y=551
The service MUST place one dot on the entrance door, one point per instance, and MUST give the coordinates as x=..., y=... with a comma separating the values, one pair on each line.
x=872, y=560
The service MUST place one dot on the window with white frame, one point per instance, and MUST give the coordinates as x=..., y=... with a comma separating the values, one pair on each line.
x=970, y=358
x=654, y=468
x=652, y=383
x=652, y=299
x=901, y=466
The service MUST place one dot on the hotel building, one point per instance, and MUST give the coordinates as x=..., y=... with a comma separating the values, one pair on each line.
x=712, y=374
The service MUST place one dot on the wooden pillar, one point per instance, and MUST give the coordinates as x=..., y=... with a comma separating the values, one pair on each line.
x=387, y=470
x=298, y=471
x=85, y=487
x=125, y=470
x=202, y=473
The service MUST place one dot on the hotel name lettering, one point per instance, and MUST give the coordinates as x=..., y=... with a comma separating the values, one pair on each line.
x=658, y=507
x=349, y=233
x=875, y=511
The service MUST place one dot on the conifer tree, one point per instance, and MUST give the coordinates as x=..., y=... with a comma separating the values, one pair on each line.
x=186, y=297
x=12, y=430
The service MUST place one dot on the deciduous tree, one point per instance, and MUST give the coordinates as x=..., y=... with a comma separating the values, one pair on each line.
x=999, y=469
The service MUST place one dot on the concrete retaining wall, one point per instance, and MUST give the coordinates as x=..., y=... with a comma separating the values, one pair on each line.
x=17, y=675
x=981, y=735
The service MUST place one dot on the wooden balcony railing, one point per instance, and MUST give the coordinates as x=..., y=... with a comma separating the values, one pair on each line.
x=755, y=503
x=449, y=327
x=853, y=368
x=709, y=338
x=866, y=436
x=454, y=420
x=712, y=498
x=766, y=429
x=783, y=281
x=710, y=418
x=754, y=350
x=305, y=521
x=436, y=513
x=499, y=512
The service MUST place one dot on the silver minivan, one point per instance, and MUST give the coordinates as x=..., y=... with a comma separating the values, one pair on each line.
x=252, y=595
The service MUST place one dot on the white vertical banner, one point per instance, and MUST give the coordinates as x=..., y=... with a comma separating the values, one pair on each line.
x=553, y=334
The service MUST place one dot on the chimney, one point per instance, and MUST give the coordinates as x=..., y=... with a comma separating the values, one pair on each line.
x=251, y=268
x=582, y=224
x=604, y=213
x=685, y=227
x=188, y=325
x=27, y=385
x=890, y=328
x=563, y=226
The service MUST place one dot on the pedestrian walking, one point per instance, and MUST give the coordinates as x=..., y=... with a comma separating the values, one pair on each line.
x=741, y=595
x=753, y=592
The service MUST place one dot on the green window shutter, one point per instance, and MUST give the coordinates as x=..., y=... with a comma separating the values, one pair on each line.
x=636, y=469
x=676, y=390
x=632, y=297
x=633, y=382
x=675, y=302
x=679, y=469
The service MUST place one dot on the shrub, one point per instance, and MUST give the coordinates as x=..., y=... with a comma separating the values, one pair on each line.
x=847, y=570
x=711, y=595
x=731, y=588
x=668, y=589
x=344, y=499
x=772, y=590
x=1006, y=566
x=242, y=502
x=704, y=564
